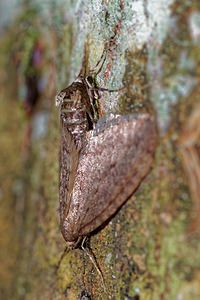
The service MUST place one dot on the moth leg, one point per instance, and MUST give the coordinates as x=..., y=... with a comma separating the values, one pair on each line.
x=92, y=118
x=93, y=97
x=107, y=90
x=93, y=262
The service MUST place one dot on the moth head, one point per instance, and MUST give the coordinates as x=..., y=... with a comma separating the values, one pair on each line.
x=59, y=98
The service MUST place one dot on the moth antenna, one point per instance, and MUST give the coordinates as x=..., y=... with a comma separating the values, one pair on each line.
x=97, y=64
x=61, y=258
x=83, y=70
x=94, y=263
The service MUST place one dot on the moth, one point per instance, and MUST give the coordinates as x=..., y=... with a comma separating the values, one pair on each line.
x=102, y=162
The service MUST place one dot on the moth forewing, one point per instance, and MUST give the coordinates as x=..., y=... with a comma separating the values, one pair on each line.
x=111, y=166
x=74, y=125
x=68, y=168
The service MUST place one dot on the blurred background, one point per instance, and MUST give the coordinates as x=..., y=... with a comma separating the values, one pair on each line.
x=27, y=84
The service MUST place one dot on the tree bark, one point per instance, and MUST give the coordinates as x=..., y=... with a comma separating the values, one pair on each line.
x=150, y=248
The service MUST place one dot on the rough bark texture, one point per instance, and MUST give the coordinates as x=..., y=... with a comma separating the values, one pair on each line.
x=150, y=249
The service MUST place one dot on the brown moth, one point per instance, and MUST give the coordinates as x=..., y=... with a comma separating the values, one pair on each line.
x=101, y=163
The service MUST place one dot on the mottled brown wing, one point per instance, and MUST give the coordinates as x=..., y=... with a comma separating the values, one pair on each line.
x=69, y=156
x=74, y=125
x=111, y=167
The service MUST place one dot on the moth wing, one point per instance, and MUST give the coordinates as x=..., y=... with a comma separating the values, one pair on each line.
x=69, y=156
x=110, y=168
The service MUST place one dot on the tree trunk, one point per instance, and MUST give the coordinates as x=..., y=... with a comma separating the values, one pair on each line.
x=150, y=248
